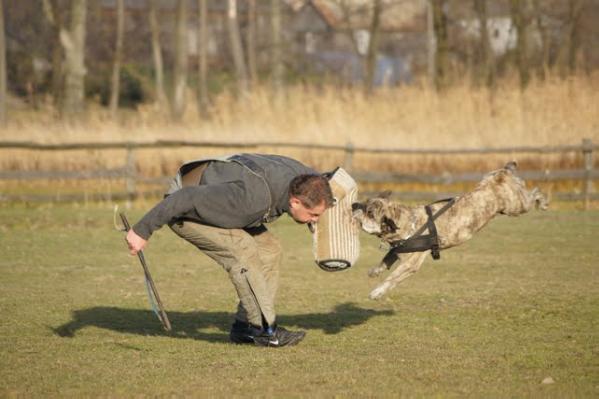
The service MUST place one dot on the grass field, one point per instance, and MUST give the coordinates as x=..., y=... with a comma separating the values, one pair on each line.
x=493, y=318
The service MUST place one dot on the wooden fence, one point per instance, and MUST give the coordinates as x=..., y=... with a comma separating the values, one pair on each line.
x=586, y=173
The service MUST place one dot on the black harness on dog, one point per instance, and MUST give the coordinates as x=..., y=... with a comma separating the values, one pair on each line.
x=418, y=242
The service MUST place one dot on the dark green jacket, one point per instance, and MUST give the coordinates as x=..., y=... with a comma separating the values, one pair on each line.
x=240, y=191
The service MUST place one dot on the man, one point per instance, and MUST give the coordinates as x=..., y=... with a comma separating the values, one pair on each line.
x=221, y=206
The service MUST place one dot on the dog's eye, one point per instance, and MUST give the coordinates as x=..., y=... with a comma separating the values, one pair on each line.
x=389, y=225
x=369, y=213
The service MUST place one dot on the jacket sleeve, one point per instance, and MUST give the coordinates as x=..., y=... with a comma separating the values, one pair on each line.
x=223, y=205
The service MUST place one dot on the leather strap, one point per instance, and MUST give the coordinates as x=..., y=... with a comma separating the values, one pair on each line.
x=419, y=242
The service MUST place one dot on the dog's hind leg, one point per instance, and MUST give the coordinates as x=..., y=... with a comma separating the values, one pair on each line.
x=538, y=199
x=409, y=264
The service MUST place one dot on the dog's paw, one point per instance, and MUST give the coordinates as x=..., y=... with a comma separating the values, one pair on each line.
x=375, y=271
x=377, y=293
x=542, y=203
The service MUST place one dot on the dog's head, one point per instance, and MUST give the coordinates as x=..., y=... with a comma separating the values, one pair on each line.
x=376, y=216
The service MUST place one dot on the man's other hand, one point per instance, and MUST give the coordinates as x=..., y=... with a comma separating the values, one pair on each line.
x=135, y=242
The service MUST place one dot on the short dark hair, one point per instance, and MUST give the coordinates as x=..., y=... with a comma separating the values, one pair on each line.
x=311, y=190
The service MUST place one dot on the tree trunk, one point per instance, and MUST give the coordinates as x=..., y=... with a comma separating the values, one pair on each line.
x=251, y=42
x=2, y=67
x=442, y=47
x=371, y=60
x=431, y=41
x=487, y=61
x=575, y=11
x=544, y=34
x=520, y=22
x=278, y=69
x=203, y=99
x=73, y=42
x=180, y=72
x=236, y=48
x=118, y=53
x=54, y=15
x=157, y=56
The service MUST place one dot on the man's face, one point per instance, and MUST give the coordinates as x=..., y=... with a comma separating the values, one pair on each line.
x=302, y=214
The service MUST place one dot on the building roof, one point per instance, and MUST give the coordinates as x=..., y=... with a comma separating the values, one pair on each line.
x=397, y=15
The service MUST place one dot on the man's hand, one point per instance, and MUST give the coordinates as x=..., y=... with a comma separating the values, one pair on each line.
x=135, y=242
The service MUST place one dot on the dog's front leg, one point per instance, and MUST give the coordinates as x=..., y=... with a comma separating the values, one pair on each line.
x=376, y=270
x=408, y=265
x=390, y=260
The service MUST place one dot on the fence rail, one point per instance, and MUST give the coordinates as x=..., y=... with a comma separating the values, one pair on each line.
x=586, y=174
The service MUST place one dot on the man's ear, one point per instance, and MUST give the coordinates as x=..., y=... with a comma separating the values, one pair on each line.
x=294, y=201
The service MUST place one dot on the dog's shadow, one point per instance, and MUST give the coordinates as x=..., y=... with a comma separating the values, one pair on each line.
x=191, y=324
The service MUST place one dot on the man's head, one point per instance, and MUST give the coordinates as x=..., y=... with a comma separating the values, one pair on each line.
x=309, y=197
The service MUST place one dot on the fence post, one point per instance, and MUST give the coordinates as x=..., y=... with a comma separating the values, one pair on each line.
x=130, y=175
x=349, y=157
x=587, y=151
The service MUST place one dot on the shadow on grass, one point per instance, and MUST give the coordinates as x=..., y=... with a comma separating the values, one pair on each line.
x=189, y=324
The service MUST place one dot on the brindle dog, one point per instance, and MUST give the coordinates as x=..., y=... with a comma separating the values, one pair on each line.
x=500, y=192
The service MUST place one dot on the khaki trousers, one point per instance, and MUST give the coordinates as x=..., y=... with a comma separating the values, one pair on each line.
x=250, y=256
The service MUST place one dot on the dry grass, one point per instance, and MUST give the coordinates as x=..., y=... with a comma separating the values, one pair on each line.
x=550, y=112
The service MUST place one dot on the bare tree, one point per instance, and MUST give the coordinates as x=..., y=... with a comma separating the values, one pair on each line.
x=236, y=48
x=73, y=42
x=431, y=41
x=371, y=56
x=2, y=67
x=118, y=53
x=487, y=62
x=251, y=41
x=203, y=99
x=520, y=23
x=180, y=70
x=441, y=57
x=575, y=8
x=54, y=15
x=544, y=35
x=277, y=67
x=157, y=55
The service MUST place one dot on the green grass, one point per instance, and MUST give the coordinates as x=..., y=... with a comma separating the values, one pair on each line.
x=492, y=318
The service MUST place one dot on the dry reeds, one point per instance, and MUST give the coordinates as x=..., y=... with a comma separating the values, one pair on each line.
x=550, y=112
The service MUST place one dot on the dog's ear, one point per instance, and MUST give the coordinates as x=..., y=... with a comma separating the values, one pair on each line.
x=388, y=226
x=385, y=194
x=511, y=166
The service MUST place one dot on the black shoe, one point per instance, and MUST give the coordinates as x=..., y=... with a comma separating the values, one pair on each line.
x=242, y=333
x=278, y=336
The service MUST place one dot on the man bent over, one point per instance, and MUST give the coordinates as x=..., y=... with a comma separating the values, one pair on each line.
x=221, y=206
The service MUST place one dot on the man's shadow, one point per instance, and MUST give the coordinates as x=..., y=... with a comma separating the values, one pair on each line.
x=190, y=324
